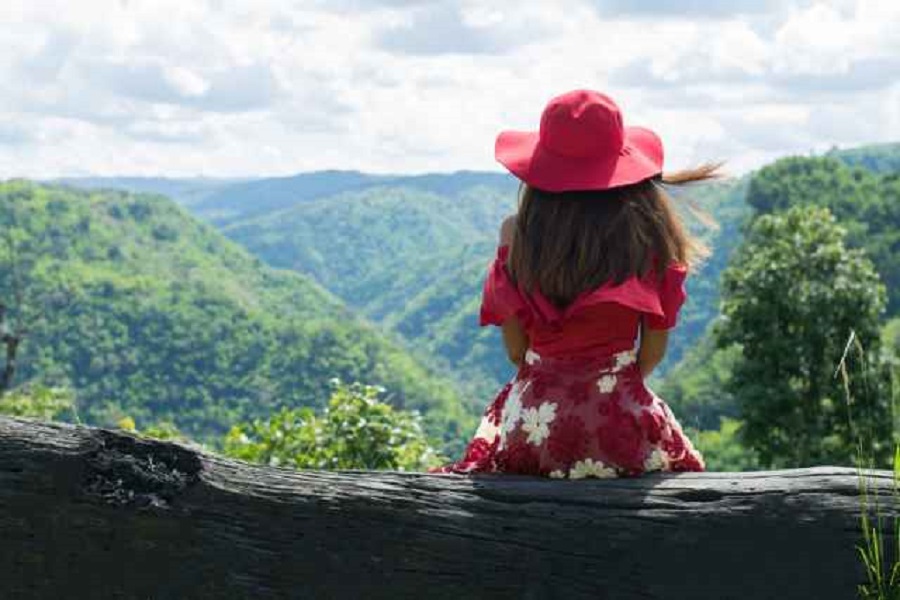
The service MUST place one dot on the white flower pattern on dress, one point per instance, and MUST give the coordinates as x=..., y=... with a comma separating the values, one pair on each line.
x=532, y=357
x=512, y=412
x=591, y=468
x=623, y=359
x=536, y=421
x=558, y=474
x=606, y=383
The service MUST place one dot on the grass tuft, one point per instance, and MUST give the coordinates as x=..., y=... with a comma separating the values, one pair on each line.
x=880, y=585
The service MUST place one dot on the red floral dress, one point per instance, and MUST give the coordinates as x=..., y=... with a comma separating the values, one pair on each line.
x=578, y=406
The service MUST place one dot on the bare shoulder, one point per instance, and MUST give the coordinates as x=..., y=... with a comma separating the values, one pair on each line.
x=507, y=229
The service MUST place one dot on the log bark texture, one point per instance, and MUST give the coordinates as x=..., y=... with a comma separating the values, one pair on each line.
x=95, y=513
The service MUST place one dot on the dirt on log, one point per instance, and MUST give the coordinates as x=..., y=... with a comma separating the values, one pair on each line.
x=96, y=513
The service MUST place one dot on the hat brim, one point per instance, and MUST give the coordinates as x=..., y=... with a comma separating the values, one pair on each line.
x=641, y=157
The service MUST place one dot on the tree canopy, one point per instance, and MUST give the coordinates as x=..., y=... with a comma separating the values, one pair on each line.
x=791, y=298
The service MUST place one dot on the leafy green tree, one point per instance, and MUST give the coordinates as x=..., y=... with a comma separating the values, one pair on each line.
x=355, y=431
x=791, y=297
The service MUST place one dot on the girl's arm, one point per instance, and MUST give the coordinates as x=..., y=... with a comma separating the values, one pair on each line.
x=653, y=348
x=507, y=229
x=514, y=337
x=515, y=340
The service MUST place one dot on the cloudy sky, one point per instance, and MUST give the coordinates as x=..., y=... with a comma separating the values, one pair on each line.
x=252, y=87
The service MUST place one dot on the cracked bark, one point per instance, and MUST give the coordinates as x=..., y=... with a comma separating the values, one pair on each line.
x=96, y=513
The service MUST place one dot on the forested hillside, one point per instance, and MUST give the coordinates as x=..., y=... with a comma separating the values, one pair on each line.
x=878, y=158
x=151, y=313
x=409, y=258
x=410, y=253
x=414, y=259
x=187, y=192
x=264, y=196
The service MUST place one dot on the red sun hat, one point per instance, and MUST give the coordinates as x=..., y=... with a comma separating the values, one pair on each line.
x=581, y=145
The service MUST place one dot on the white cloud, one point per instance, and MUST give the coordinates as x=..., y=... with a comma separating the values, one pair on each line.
x=684, y=9
x=457, y=27
x=820, y=40
x=186, y=82
x=234, y=87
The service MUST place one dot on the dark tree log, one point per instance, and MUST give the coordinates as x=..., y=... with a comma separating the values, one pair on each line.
x=95, y=513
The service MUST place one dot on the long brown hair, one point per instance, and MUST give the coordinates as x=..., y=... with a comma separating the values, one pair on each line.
x=569, y=242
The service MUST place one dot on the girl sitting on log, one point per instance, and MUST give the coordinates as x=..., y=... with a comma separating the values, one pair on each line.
x=587, y=281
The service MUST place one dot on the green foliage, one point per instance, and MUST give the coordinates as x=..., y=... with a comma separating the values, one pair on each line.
x=178, y=324
x=38, y=401
x=890, y=336
x=882, y=577
x=867, y=204
x=697, y=387
x=722, y=449
x=162, y=430
x=355, y=431
x=792, y=296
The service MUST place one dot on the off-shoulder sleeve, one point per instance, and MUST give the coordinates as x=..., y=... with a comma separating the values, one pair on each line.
x=501, y=299
x=672, y=295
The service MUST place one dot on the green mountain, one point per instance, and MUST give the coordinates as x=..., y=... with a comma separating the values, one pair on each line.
x=409, y=258
x=274, y=193
x=410, y=253
x=187, y=192
x=146, y=311
x=265, y=196
x=878, y=158
x=413, y=257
